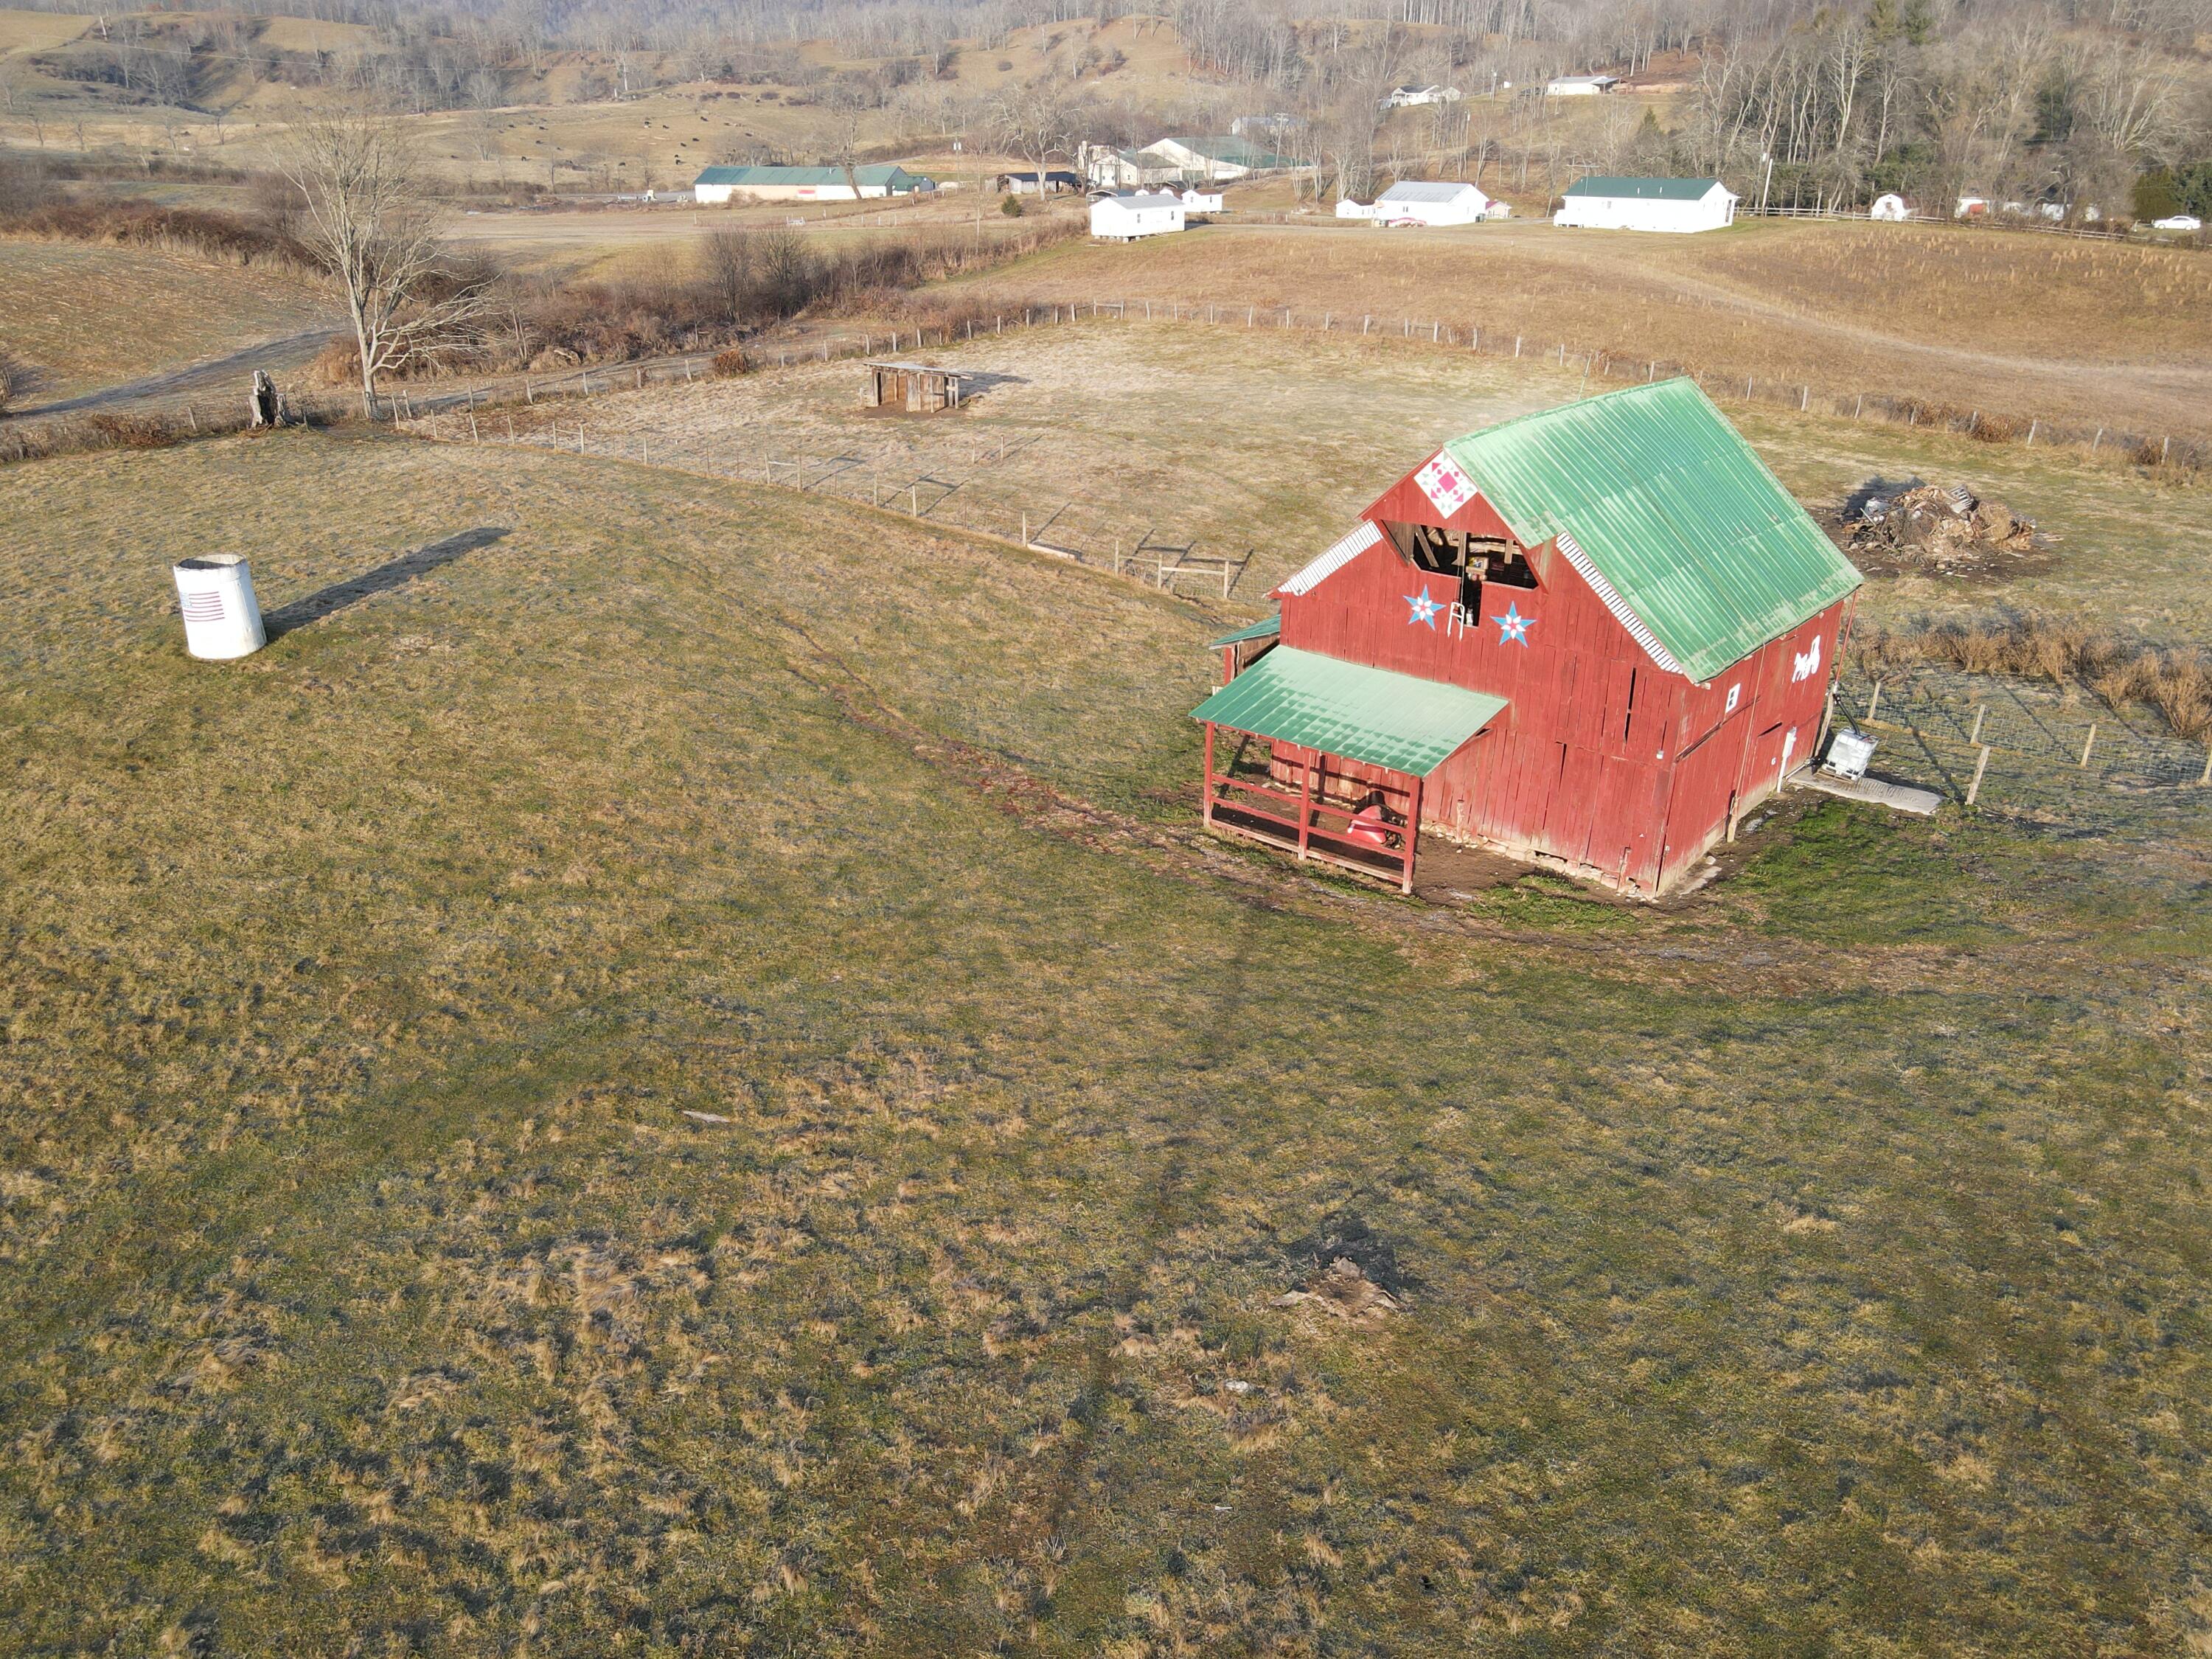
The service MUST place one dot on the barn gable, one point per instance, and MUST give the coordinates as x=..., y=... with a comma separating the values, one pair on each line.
x=1670, y=517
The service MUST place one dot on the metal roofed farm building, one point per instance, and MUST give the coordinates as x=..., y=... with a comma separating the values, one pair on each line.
x=1580, y=86
x=1124, y=218
x=718, y=185
x=1599, y=202
x=1426, y=202
x=1645, y=620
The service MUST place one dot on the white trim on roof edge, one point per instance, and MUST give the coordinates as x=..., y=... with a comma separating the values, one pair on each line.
x=1362, y=538
x=1627, y=617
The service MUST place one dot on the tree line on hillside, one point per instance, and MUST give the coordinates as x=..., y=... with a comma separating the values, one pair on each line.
x=2070, y=102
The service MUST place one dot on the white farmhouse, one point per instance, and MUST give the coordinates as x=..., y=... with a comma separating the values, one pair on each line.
x=1139, y=213
x=1418, y=202
x=1348, y=208
x=1676, y=204
x=1201, y=198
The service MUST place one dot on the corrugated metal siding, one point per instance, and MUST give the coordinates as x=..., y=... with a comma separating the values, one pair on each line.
x=1363, y=714
x=1675, y=511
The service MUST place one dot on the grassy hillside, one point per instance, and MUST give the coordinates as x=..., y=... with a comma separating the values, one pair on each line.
x=2027, y=325
x=90, y=315
x=1814, y=1263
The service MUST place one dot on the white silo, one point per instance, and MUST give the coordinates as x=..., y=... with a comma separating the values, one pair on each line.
x=222, y=619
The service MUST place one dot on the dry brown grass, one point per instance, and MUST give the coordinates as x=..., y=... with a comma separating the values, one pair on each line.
x=2014, y=326
x=2119, y=669
x=90, y=316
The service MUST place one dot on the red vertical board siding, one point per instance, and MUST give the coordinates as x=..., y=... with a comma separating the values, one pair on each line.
x=1584, y=764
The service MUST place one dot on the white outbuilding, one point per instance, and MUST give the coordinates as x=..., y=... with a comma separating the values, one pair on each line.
x=1580, y=86
x=1124, y=218
x=1891, y=207
x=1348, y=208
x=1671, y=204
x=1201, y=198
x=1422, y=201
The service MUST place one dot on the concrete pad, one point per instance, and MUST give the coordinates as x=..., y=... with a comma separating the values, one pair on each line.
x=1878, y=791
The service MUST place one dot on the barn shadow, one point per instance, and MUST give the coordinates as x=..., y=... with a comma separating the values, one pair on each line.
x=395, y=573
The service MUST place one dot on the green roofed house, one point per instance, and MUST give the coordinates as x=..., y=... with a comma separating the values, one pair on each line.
x=779, y=183
x=1591, y=637
x=1668, y=204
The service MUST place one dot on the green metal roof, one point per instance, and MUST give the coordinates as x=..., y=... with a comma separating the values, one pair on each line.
x=1266, y=627
x=1663, y=508
x=1644, y=189
x=1342, y=708
x=1234, y=150
x=877, y=172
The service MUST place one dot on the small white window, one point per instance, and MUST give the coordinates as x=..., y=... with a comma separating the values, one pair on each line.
x=1735, y=691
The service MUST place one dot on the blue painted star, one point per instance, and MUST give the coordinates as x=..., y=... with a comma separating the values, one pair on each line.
x=1423, y=607
x=1513, y=627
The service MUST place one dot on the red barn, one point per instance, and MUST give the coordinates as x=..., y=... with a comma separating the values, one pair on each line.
x=1591, y=637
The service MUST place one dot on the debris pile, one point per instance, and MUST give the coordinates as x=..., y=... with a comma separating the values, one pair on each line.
x=1343, y=1292
x=1937, y=529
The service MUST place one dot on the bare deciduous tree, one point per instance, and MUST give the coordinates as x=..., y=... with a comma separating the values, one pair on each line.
x=1038, y=122
x=371, y=222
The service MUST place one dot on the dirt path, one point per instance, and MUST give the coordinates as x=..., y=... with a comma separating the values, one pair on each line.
x=227, y=374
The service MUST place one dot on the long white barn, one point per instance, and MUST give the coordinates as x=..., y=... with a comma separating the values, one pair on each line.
x=1666, y=204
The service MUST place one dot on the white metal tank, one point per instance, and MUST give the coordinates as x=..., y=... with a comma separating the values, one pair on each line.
x=222, y=619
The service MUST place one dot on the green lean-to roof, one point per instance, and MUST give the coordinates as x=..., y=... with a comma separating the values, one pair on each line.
x=1265, y=629
x=1342, y=708
x=1644, y=189
x=1669, y=515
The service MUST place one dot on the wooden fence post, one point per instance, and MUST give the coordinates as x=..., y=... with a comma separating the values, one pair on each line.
x=2089, y=744
x=1980, y=709
x=1981, y=767
x=1874, y=703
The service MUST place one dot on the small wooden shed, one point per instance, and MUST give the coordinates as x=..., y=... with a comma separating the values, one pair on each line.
x=918, y=388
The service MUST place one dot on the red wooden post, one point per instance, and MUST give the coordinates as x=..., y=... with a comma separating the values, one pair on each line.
x=1228, y=664
x=1412, y=835
x=1305, y=796
x=1206, y=790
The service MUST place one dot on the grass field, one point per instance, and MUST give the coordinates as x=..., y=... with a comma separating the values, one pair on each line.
x=1274, y=440
x=2026, y=325
x=90, y=316
x=1813, y=1264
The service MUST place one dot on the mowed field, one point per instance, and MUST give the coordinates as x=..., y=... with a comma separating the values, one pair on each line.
x=1813, y=1264
x=88, y=316
x=2025, y=325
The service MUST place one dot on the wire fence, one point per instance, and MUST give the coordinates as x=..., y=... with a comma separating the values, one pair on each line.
x=2175, y=452
x=2034, y=750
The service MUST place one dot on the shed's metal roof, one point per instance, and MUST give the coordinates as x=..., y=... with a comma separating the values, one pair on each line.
x=1674, y=520
x=1644, y=189
x=1419, y=189
x=1265, y=629
x=1344, y=709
